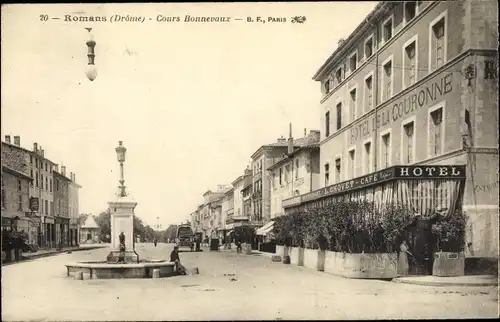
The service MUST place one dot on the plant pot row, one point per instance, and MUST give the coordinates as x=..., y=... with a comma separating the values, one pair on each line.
x=364, y=265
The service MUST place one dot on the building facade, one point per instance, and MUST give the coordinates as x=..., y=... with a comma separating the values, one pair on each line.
x=227, y=209
x=425, y=70
x=74, y=210
x=296, y=173
x=15, y=203
x=61, y=206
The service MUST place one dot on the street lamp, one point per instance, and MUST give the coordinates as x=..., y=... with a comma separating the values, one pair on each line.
x=120, y=153
x=91, y=70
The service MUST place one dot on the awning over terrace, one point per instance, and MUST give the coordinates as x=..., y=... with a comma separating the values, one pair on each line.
x=428, y=190
x=264, y=230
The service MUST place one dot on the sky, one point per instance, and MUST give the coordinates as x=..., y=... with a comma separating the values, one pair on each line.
x=190, y=101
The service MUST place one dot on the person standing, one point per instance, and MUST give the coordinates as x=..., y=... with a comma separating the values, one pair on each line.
x=155, y=241
x=403, y=266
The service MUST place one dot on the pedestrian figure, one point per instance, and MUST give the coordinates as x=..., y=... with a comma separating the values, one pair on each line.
x=403, y=266
x=238, y=246
x=155, y=241
x=174, y=257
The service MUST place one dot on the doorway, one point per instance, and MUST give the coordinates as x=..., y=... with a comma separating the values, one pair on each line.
x=421, y=245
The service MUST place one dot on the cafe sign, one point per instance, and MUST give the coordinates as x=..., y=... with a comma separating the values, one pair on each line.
x=395, y=172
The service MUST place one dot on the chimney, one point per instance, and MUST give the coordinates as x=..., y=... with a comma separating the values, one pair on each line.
x=341, y=41
x=35, y=147
x=305, y=132
x=63, y=170
x=74, y=177
x=56, y=167
x=71, y=176
x=290, y=141
x=42, y=152
x=281, y=139
x=7, y=138
x=17, y=140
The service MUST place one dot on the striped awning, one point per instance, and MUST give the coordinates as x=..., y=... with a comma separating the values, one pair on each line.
x=264, y=230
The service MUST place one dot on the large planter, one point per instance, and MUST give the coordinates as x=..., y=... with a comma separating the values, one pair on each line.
x=314, y=258
x=448, y=264
x=296, y=255
x=247, y=249
x=370, y=266
x=280, y=250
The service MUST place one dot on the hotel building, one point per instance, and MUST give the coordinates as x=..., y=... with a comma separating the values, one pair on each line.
x=414, y=88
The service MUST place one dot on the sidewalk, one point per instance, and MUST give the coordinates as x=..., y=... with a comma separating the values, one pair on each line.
x=468, y=280
x=51, y=252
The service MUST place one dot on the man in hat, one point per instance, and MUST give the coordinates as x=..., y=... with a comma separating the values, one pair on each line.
x=174, y=257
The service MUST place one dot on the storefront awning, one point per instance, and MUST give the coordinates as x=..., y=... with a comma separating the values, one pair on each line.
x=264, y=230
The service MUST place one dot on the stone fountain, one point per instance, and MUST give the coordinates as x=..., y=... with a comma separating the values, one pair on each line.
x=122, y=261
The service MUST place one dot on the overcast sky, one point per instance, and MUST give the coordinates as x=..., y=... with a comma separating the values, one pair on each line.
x=191, y=101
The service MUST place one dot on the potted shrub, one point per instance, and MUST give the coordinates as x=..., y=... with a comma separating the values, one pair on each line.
x=449, y=235
x=246, y=235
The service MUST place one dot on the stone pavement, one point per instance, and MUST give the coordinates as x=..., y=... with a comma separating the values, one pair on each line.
x=230, y=286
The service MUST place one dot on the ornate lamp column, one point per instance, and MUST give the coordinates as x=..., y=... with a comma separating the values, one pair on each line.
x=91, y=70
x=122, y=219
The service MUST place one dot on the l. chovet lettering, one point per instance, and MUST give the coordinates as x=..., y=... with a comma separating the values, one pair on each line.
x=409, y=104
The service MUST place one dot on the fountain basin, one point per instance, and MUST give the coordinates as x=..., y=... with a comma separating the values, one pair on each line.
x=103, y=270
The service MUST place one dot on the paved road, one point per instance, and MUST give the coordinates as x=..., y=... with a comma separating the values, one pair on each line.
x=39, y=290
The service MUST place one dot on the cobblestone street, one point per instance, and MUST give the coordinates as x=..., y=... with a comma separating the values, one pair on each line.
x=260, y=289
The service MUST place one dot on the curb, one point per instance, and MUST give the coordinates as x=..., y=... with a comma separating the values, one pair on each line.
x=446, y=284
x=27, y=258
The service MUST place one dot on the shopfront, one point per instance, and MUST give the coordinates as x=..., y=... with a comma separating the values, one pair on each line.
x=432, y=192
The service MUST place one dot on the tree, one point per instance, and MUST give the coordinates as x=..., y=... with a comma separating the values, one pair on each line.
x=104, y=222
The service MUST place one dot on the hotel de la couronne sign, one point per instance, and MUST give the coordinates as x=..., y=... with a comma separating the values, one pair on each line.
x=396, y=172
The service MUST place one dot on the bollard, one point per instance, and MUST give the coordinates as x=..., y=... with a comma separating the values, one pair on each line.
x=276, y=258
x=79, y=275
x=156, y=273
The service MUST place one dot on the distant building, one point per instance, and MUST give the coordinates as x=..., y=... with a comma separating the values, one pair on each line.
x=296, y=173
x=211, y=211
x=74, y=210
x=61, y=206
x=89, y=230
x=262, y=159
x=15, y=203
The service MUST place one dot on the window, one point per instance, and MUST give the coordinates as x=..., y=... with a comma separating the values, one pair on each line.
x=410, y=60
x=352, y=163
x=31, y=175
x=436, y=132
x=3, y=195
x=19, y=185
x=410, y=10
x=20, y=203
x=46, y=183
x=437, y=38
x=287, y=173
x=296, y=168
x=46, y=167
x=281, y=176
x=327, y=124
x=368, y=93
x=369, y=47
x=46, y=207
x=36, y=179
x=327, y=174
x=36, y=163
x=338, y=169
x=368, y=158
x=353, y=62
x=339, y=116
x=387, y=29
x=51, y=208
x=338, y=75
x=50, y=185
x=326, y=86
x=408, y=142
x=352, y=104
x=387, y=79
x=386, y=150
x=31, y=159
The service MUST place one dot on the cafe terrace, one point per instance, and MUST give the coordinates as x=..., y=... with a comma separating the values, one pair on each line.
x=428, y=190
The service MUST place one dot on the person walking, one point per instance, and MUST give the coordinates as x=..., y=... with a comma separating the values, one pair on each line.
x=155, y=241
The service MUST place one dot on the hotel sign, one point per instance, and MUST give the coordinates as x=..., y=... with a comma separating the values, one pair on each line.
x=395, y=172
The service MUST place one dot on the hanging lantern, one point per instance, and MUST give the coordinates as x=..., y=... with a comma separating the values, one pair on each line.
x=91, y=70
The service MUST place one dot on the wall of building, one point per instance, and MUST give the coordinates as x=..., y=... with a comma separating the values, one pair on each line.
x=238, y=198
